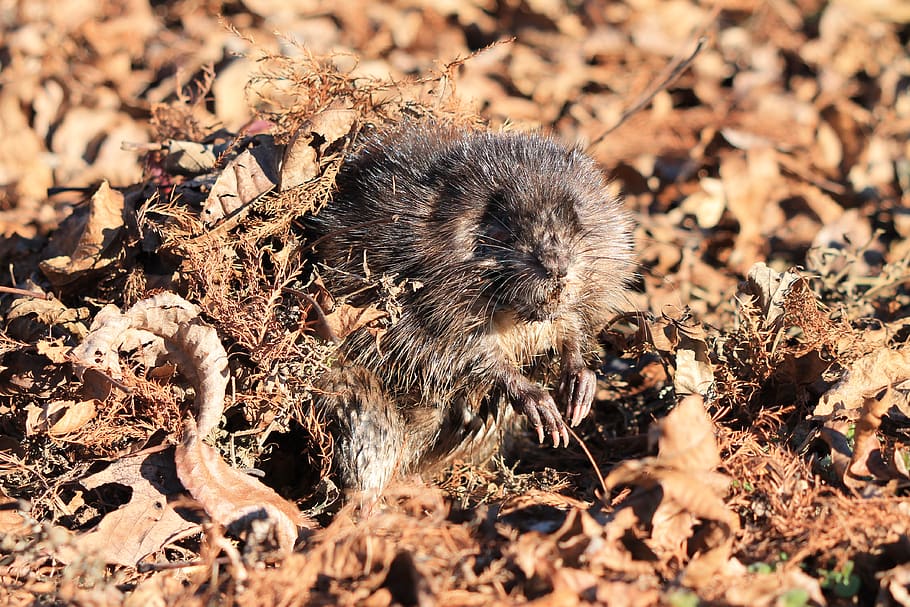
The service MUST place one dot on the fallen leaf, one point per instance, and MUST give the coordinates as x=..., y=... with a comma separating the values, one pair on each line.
x=301, y=157
x=895, y=583
x=688, y=490
x=55, y=351
x=59, y=418
x=189, y=157
x=251, y=174
x=868, y=375
x=300, y=163
x=771, y=589
x=146, y=523
x=345, y=318
x=770, y=290
x=12, y=523
x=685, y=438
x=229, y=496
x=97, y=242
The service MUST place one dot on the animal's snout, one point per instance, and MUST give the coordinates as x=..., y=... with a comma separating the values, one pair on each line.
x=555, y=265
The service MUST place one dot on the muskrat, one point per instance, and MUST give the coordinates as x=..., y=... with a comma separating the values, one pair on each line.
x=509, y=254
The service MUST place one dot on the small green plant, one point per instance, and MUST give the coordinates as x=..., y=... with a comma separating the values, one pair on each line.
x=761, y=567
x=842, y=582
x=682, y=598
x=746, y=485
x=851, y=435
x=795, y=597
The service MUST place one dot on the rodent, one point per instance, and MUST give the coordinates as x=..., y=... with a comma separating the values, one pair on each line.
x=514, y=256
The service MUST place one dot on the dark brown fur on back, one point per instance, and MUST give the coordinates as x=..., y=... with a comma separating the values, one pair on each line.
x=512, y=255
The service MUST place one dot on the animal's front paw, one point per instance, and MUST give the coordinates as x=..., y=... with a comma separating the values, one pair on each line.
x=543, y=414
x=576, y=391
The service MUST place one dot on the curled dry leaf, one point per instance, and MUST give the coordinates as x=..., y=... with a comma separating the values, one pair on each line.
x=165, y=325
x=96, y=247
x=865, y=468
x=867, y=458
x=227, y=495
x=694, y=370
x=59, y=417
x=231, y=497
x=769, y=290
x=301, y=157
x=245, y=178
x=31, y=318
x=300, y=163
x=681, y=339
x=345, y=318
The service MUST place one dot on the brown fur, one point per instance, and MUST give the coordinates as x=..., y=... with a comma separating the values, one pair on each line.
x=512, y=254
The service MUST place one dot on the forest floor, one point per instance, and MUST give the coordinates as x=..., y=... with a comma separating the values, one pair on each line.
x=750, y=442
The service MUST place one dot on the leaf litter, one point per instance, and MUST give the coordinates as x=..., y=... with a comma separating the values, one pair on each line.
x=160, y=340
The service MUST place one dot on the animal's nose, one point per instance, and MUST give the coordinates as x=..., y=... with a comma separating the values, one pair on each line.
x=555, y=264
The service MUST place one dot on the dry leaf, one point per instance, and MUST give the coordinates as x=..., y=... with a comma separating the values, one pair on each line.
x=769, y=589
x=31, y=319
x=96, y=247
x=12, y=523
x=685, y=438
x=182, y=339
x=895, y=584
x=300, y=163
x=59, y=417
x=55, y=351
x=868, y=375
x=681, y=340
x=333, y=123
x=770, y=290
x=689, y=491
x=230, y=497
x=189, y=157
x=227, y=495
x=707, y=204
x=146, y=523
x=749, y=182
x=694, y=370
x=301, y=157
x=344, y=319
x=251, y=174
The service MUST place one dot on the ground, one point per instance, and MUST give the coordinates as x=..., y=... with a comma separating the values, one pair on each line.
x=749, y=443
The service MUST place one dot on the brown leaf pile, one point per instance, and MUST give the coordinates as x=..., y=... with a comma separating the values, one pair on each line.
x=160, y=334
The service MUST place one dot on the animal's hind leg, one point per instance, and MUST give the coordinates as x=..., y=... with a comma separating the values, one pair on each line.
x=367, y=429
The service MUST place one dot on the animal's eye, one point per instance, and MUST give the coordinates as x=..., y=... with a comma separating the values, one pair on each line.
x=497, y=234
x=494, y=221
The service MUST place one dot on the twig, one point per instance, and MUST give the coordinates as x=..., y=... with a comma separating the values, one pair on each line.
x=148, y=567
x=326, y=327
x=25, y=293
x=671, y=73
x=584, y=447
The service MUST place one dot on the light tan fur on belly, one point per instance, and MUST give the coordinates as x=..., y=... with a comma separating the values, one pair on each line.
x=523, y=341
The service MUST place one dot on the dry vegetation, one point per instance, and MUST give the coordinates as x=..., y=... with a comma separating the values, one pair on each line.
x=749, y=445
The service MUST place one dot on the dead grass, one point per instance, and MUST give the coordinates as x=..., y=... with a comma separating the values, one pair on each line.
x=770, y=180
